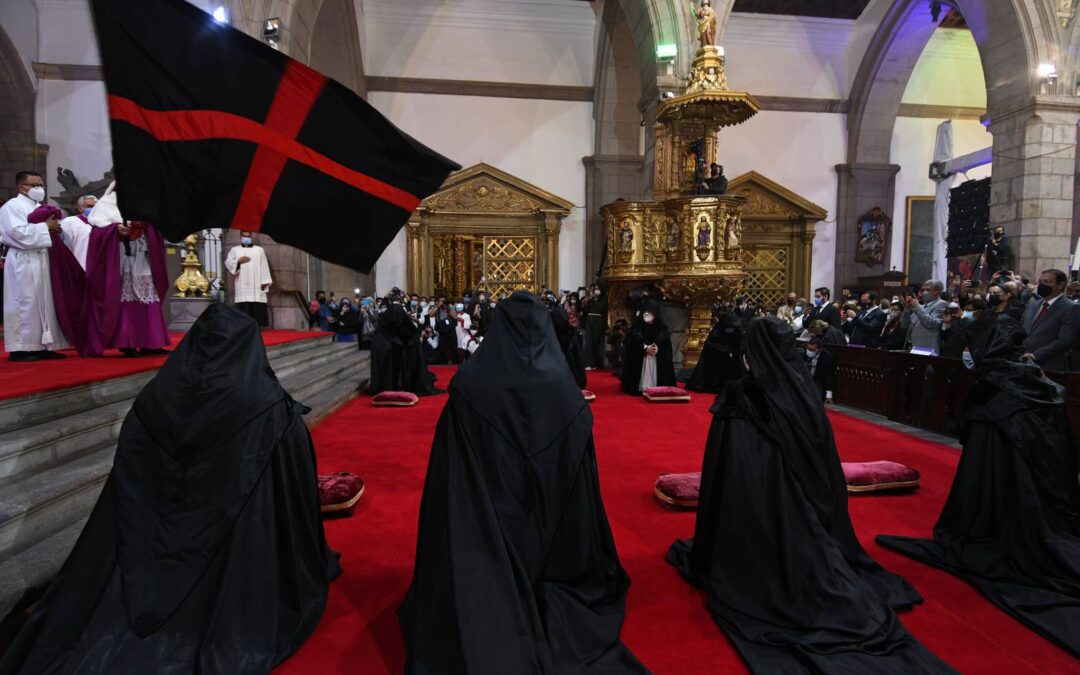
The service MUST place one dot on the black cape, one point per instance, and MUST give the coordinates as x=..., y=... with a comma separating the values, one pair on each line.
x=205, y=552
x=640, y=335
x=1010, y=526
x=570, y=343
x=773, y=547
x=721, y=356
x=516, y=568
x=397, y=358
x=595, y=327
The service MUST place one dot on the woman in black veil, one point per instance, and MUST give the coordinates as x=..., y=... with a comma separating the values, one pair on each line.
x=721, y=357
x=1010, y=525
x=773, y=547
x=397, y=358
x=516, y=568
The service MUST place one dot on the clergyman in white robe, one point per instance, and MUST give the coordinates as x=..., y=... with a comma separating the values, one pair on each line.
x=250, y=280
x=30, y=323
x=75, y=231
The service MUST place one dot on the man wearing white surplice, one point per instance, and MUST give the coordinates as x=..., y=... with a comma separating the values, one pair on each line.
x=31, y=331
x=250, y=274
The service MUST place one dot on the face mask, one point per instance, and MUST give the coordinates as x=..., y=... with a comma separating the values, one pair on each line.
x=811, y=354
x=423, y=305
x=459, y=307
x=969, y=361
x=790, y=302
x=797, y=310
x=413, y=303
x=492, y=305
x=818, y=302
x=1045, y=291
x=993, y=300
x=87, y=212
x=596, y=293
x=968, y=314
x=647, y=317
x=37, y=193
x=246, y=241
x=894, y=314
x=926, y=298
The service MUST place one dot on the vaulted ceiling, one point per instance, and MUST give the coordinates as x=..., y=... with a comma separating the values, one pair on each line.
x=833, y=9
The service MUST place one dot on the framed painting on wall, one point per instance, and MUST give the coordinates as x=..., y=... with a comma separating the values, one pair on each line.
x=919, y=249
x=873, y=236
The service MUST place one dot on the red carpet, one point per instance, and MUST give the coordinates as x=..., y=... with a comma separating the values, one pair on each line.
x=21, y=379
x=667, y=625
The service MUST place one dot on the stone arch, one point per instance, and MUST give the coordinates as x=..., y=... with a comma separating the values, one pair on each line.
x=1012, y=36
x=627, y=84
x=18, y=146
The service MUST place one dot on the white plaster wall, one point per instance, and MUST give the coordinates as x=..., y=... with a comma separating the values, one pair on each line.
x=913, y=150
x=800, y=151
x=949, y=72
x=534, y=41
x=19, y=19
x=72, y=119
x=541, y=142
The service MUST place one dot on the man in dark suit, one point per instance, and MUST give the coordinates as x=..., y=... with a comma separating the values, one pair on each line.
x=1051, y=323
x=822, y=365
x=867, y=324
x=823, y=309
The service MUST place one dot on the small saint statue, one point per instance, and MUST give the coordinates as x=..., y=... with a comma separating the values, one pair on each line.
x=627, y=238
x=706, y=23
x=704, y=233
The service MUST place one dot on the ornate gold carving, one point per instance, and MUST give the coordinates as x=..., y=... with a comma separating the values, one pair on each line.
x=483, y=195
x=192, y=283
x=759, y=204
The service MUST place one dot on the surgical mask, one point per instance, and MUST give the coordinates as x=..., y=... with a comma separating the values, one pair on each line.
x=1045, y=291
x=926, y=298
x=648, y=317
x=491, y=305
x=797, y=310
x=413, y=303
x=87, y=212
x=459, y=307
x=811, y=354
x=596, y=293
x=818, y=302
x=969, y=314
x=37, y=193
x=246, y=241
x=423, y=305
x=969, y=360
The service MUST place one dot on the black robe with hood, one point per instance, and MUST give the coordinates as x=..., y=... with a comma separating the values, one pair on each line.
x=516, y=568
x=205, y=552
x=640, y=335
x=570, y=343
x=773, y=547
x=721, y=357
x=397, y=357
x=1010, y=526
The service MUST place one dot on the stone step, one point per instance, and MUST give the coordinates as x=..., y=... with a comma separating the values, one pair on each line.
x=24, y=411
x=38, y=505
x=350, y=368
x=25, y=574
x=52, y=442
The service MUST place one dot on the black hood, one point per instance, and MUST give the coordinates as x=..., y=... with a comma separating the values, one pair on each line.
x=518, y=379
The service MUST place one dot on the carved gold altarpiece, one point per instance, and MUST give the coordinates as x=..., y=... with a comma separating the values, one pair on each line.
x=691, y=246
x=485, y=223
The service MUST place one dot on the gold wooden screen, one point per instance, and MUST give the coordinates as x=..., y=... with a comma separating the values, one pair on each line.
x=767, y=270
x=510, y=264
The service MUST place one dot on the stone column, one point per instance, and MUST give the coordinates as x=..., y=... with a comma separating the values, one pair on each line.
x=1034, y=179
x=607, y=178
x=861, y=188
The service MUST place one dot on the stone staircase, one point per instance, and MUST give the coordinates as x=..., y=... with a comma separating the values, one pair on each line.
x=56, y=449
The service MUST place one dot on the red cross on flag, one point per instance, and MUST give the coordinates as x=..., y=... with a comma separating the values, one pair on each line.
x=211, y=128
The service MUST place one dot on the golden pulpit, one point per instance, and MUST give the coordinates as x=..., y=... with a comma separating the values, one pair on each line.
x=687, y=242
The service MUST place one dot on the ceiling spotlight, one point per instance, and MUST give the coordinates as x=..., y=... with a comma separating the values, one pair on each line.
x=1048, y=78
x=220, y=14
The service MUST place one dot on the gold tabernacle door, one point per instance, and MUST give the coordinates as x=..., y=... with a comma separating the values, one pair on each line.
x=485, y=223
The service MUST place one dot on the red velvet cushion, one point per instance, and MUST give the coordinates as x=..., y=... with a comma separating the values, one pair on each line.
x=666, y=394
x=874, y=476
x=588, y=395
x=395, y=398
x=679, y=490
x=339, y=492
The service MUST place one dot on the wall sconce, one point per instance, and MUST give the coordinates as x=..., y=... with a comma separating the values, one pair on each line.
x=272, y=32
x=1047, y=78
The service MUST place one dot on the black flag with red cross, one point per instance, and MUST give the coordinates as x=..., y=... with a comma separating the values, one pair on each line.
x=211, y=128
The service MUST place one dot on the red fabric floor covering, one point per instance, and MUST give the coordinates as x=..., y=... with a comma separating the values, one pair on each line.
x=22, y=379
x=667, y=625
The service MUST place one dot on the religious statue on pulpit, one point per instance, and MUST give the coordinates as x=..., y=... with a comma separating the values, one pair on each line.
x=707, y=23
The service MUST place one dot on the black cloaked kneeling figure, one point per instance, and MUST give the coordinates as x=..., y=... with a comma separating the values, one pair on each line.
x=1010, y=525
x=774, y=548
x=642, y=370
x=397, y=357
x=205, y=552
x=516, y=568
x=569, y=341
x=721, y=357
